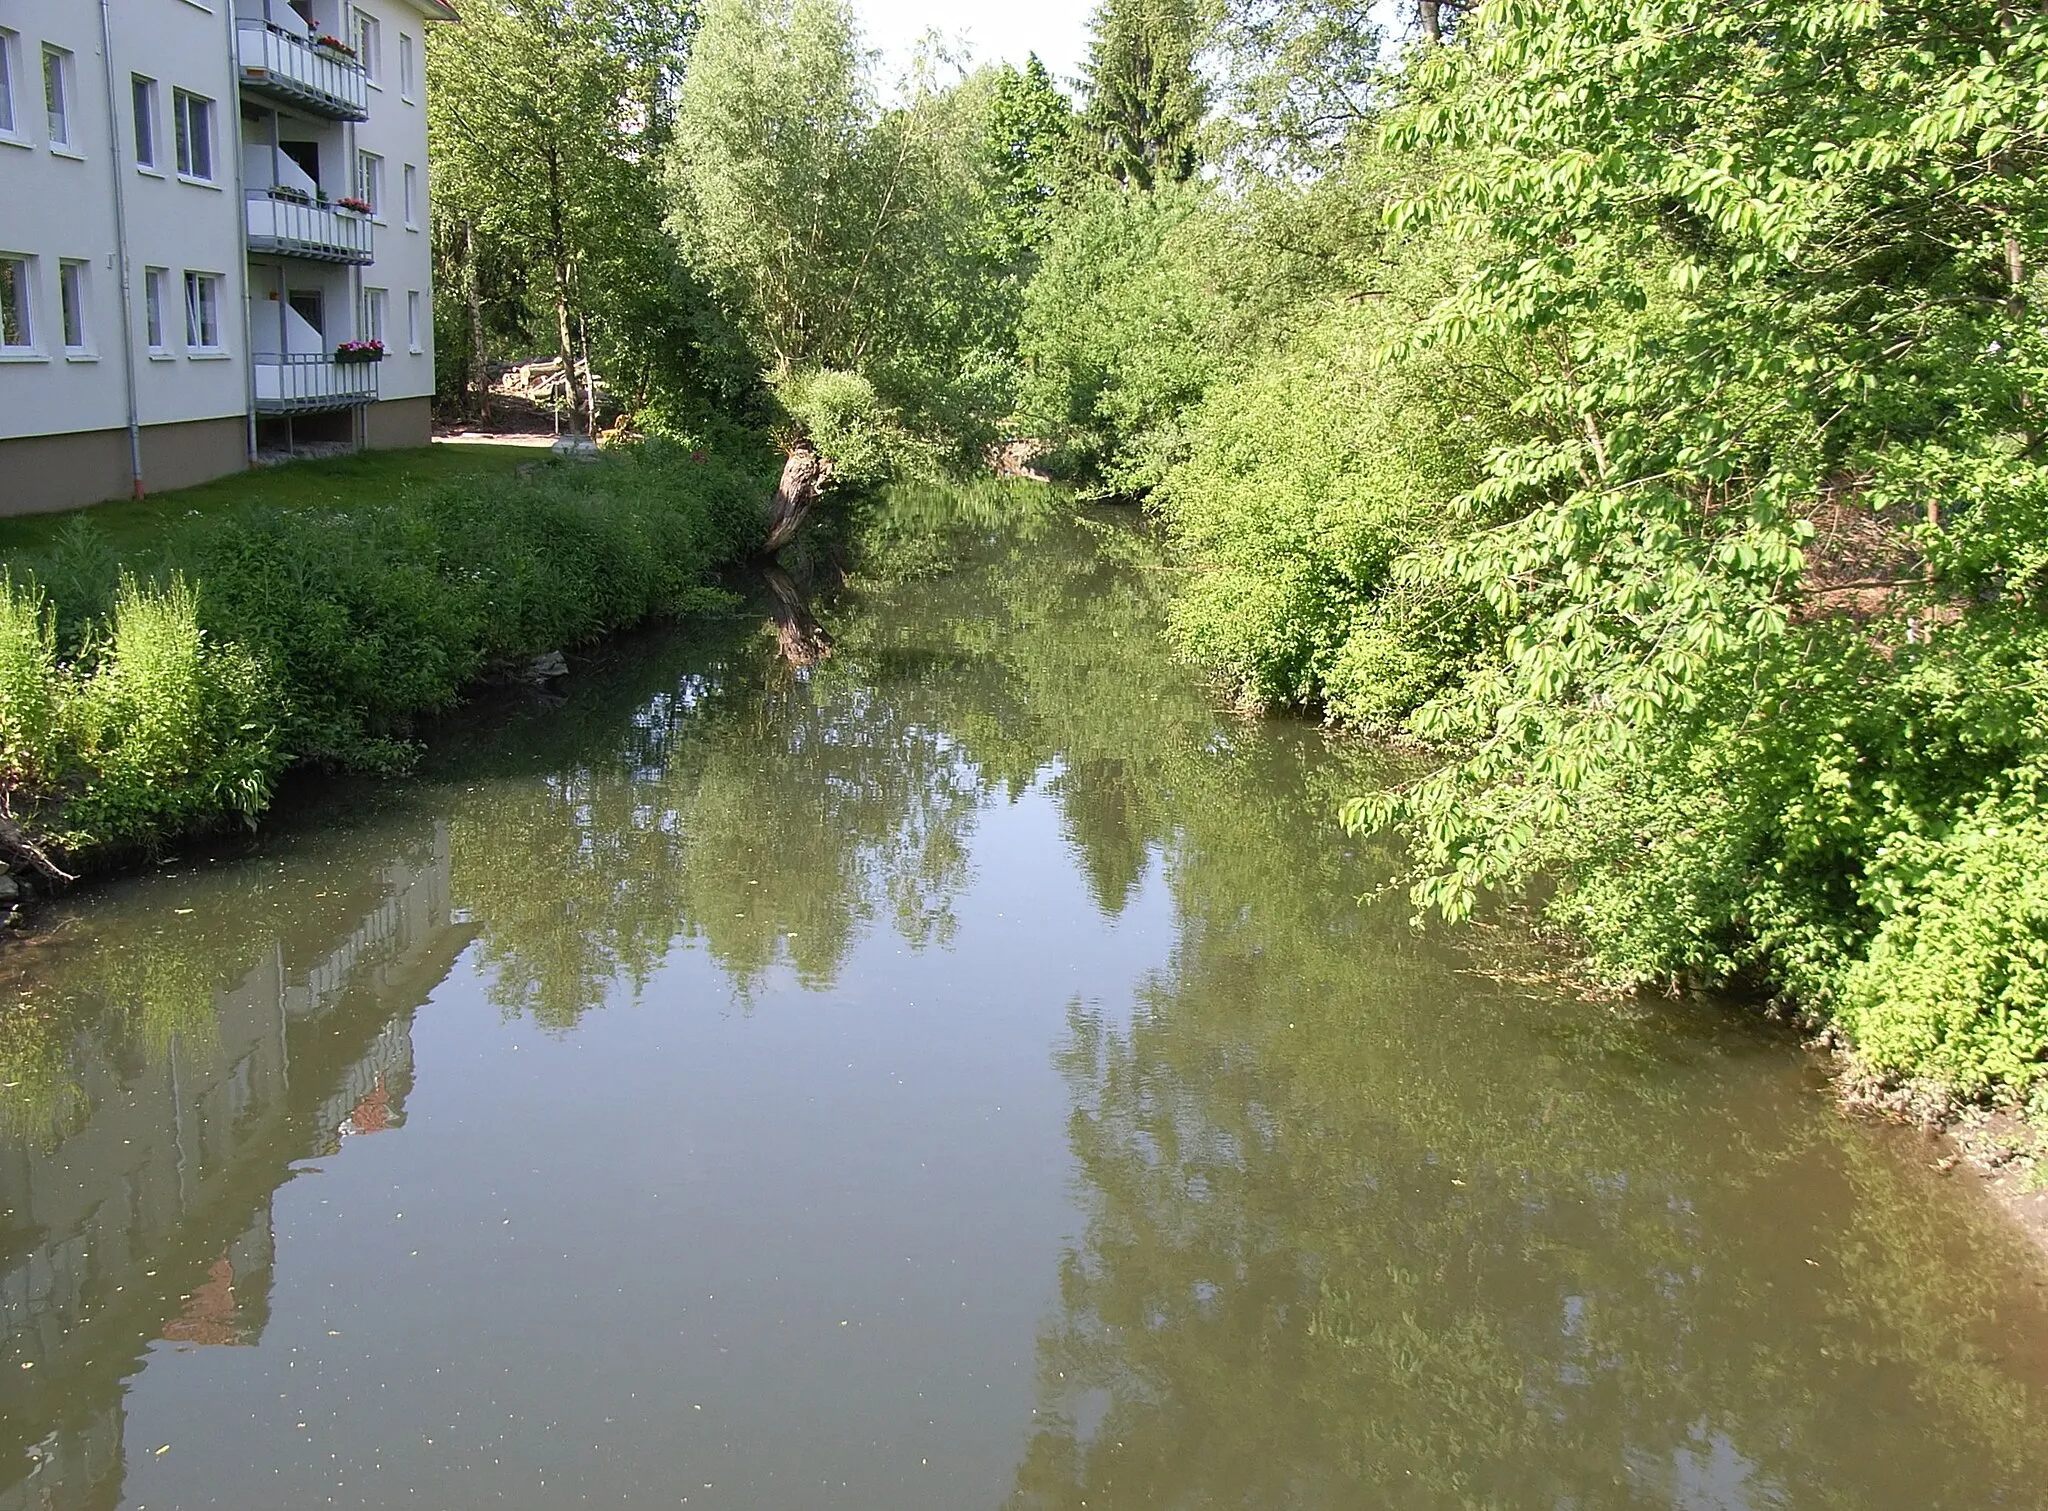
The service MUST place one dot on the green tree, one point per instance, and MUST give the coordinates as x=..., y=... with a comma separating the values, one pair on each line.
x=1031, y=145
x=1145, y=99
x=546, y=121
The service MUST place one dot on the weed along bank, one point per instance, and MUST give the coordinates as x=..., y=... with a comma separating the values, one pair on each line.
x=214, y=240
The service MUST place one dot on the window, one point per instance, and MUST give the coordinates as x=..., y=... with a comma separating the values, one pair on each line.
x=8, y=125
x=374, y=302
x=412, y=321
x=71, y=304
x=412, y=197
x=56, y=94
x=17, y=303
x=370, y=182
x=405, y=65
x=367, y=38
x=202, y=311
x=153, y=280
x=143, y=92
x=193, y=116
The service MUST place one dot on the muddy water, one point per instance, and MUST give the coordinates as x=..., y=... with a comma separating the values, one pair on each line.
x=958, y=1075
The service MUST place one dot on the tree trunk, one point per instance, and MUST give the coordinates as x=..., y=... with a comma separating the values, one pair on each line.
x=19, y=852
x=802, y=639
x=803, y=475
x=565, y=346
x=479, y=356
x=1432, y=19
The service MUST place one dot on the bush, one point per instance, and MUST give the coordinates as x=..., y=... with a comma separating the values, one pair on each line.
x=29, y=704
x=321, y=637
x=1306, y=480
x=1955, y=985
x=168, y=730
x=374, y=617
x=841, y=414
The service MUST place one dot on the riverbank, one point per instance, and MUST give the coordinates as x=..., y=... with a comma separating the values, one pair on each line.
x=163, y=664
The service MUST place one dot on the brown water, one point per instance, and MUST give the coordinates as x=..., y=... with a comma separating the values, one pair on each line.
x=958, y=1076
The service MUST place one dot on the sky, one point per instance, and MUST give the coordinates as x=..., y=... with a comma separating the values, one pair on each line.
x=1056, y=29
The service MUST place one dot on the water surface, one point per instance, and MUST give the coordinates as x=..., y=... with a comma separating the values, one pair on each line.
x=960, y=1074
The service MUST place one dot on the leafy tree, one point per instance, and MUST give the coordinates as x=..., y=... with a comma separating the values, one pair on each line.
x=1031, y=146
x=836, y=234
x=546, y=119
x=1146, y=99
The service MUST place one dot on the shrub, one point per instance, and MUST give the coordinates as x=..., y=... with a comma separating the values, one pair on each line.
x=1955, y=985
x=29, y=705
x=169, y=730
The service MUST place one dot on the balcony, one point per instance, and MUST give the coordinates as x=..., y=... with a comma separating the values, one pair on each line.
x=281, y=66
x=322, y=233
x=303, y=385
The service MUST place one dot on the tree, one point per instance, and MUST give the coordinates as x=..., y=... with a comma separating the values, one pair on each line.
x=1145, y=99
x=1030, y=148
x=546, y=118
x=838, y=235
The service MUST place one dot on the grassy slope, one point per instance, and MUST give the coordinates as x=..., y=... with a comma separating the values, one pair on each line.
x=329, y=483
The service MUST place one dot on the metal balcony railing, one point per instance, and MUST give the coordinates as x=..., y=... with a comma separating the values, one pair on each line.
x=300, y=385
x=288, y=68
x=319, y=232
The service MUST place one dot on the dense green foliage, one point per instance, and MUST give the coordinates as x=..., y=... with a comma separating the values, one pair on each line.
x=547, y=120
x=300, y=635
x=1640, y=405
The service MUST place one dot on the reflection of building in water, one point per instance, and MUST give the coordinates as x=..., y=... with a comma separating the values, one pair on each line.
x=151, y=1220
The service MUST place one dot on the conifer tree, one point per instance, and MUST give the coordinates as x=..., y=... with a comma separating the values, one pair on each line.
x=1145, y=99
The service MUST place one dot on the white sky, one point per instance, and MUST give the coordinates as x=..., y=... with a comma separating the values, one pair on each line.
x=1057, y=30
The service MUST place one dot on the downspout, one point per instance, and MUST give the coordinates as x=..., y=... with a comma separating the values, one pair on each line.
x=242, y=240
x=121, y=254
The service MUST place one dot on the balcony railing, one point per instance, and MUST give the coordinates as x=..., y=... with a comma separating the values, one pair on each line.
x=320, y=232
x=299, y=385
x=291, y=69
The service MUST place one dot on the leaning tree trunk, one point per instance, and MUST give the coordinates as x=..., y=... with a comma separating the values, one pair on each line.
x=20, y=853
x=802, y=640
x=803, y=475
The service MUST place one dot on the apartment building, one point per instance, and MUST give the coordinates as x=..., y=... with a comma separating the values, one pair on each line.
x=213, y=238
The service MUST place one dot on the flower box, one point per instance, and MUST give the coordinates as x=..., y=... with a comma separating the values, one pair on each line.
x=359, y=351
x=290, y=195
x=336, y=46
x=350, y=202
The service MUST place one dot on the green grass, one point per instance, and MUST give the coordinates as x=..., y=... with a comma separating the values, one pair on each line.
x=348, y=482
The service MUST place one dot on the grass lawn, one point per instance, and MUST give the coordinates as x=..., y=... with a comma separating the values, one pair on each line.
x=332, y=482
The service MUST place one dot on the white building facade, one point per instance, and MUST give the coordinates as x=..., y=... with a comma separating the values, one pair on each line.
x=213, y=238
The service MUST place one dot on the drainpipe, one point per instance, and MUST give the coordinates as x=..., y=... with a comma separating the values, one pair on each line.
x=121, y=254
x=241, y=236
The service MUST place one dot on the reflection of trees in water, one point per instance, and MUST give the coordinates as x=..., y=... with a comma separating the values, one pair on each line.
x=775, y=812
x=1360, y=1232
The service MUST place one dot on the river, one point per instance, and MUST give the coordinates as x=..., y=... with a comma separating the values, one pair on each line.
x=959, y=1074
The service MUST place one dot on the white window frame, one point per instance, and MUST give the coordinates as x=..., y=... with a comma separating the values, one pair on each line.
x=412, y=197
x=372, y=318
x=186, y=108
x=408, y=68
x=25, y=350
x=412, y=322
x=370, y=183
x=60, y=72
x=367, y=34
x=142, y=94
x=10, y=70
x=74, y=307
x=198, y=285
x=155, y=333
